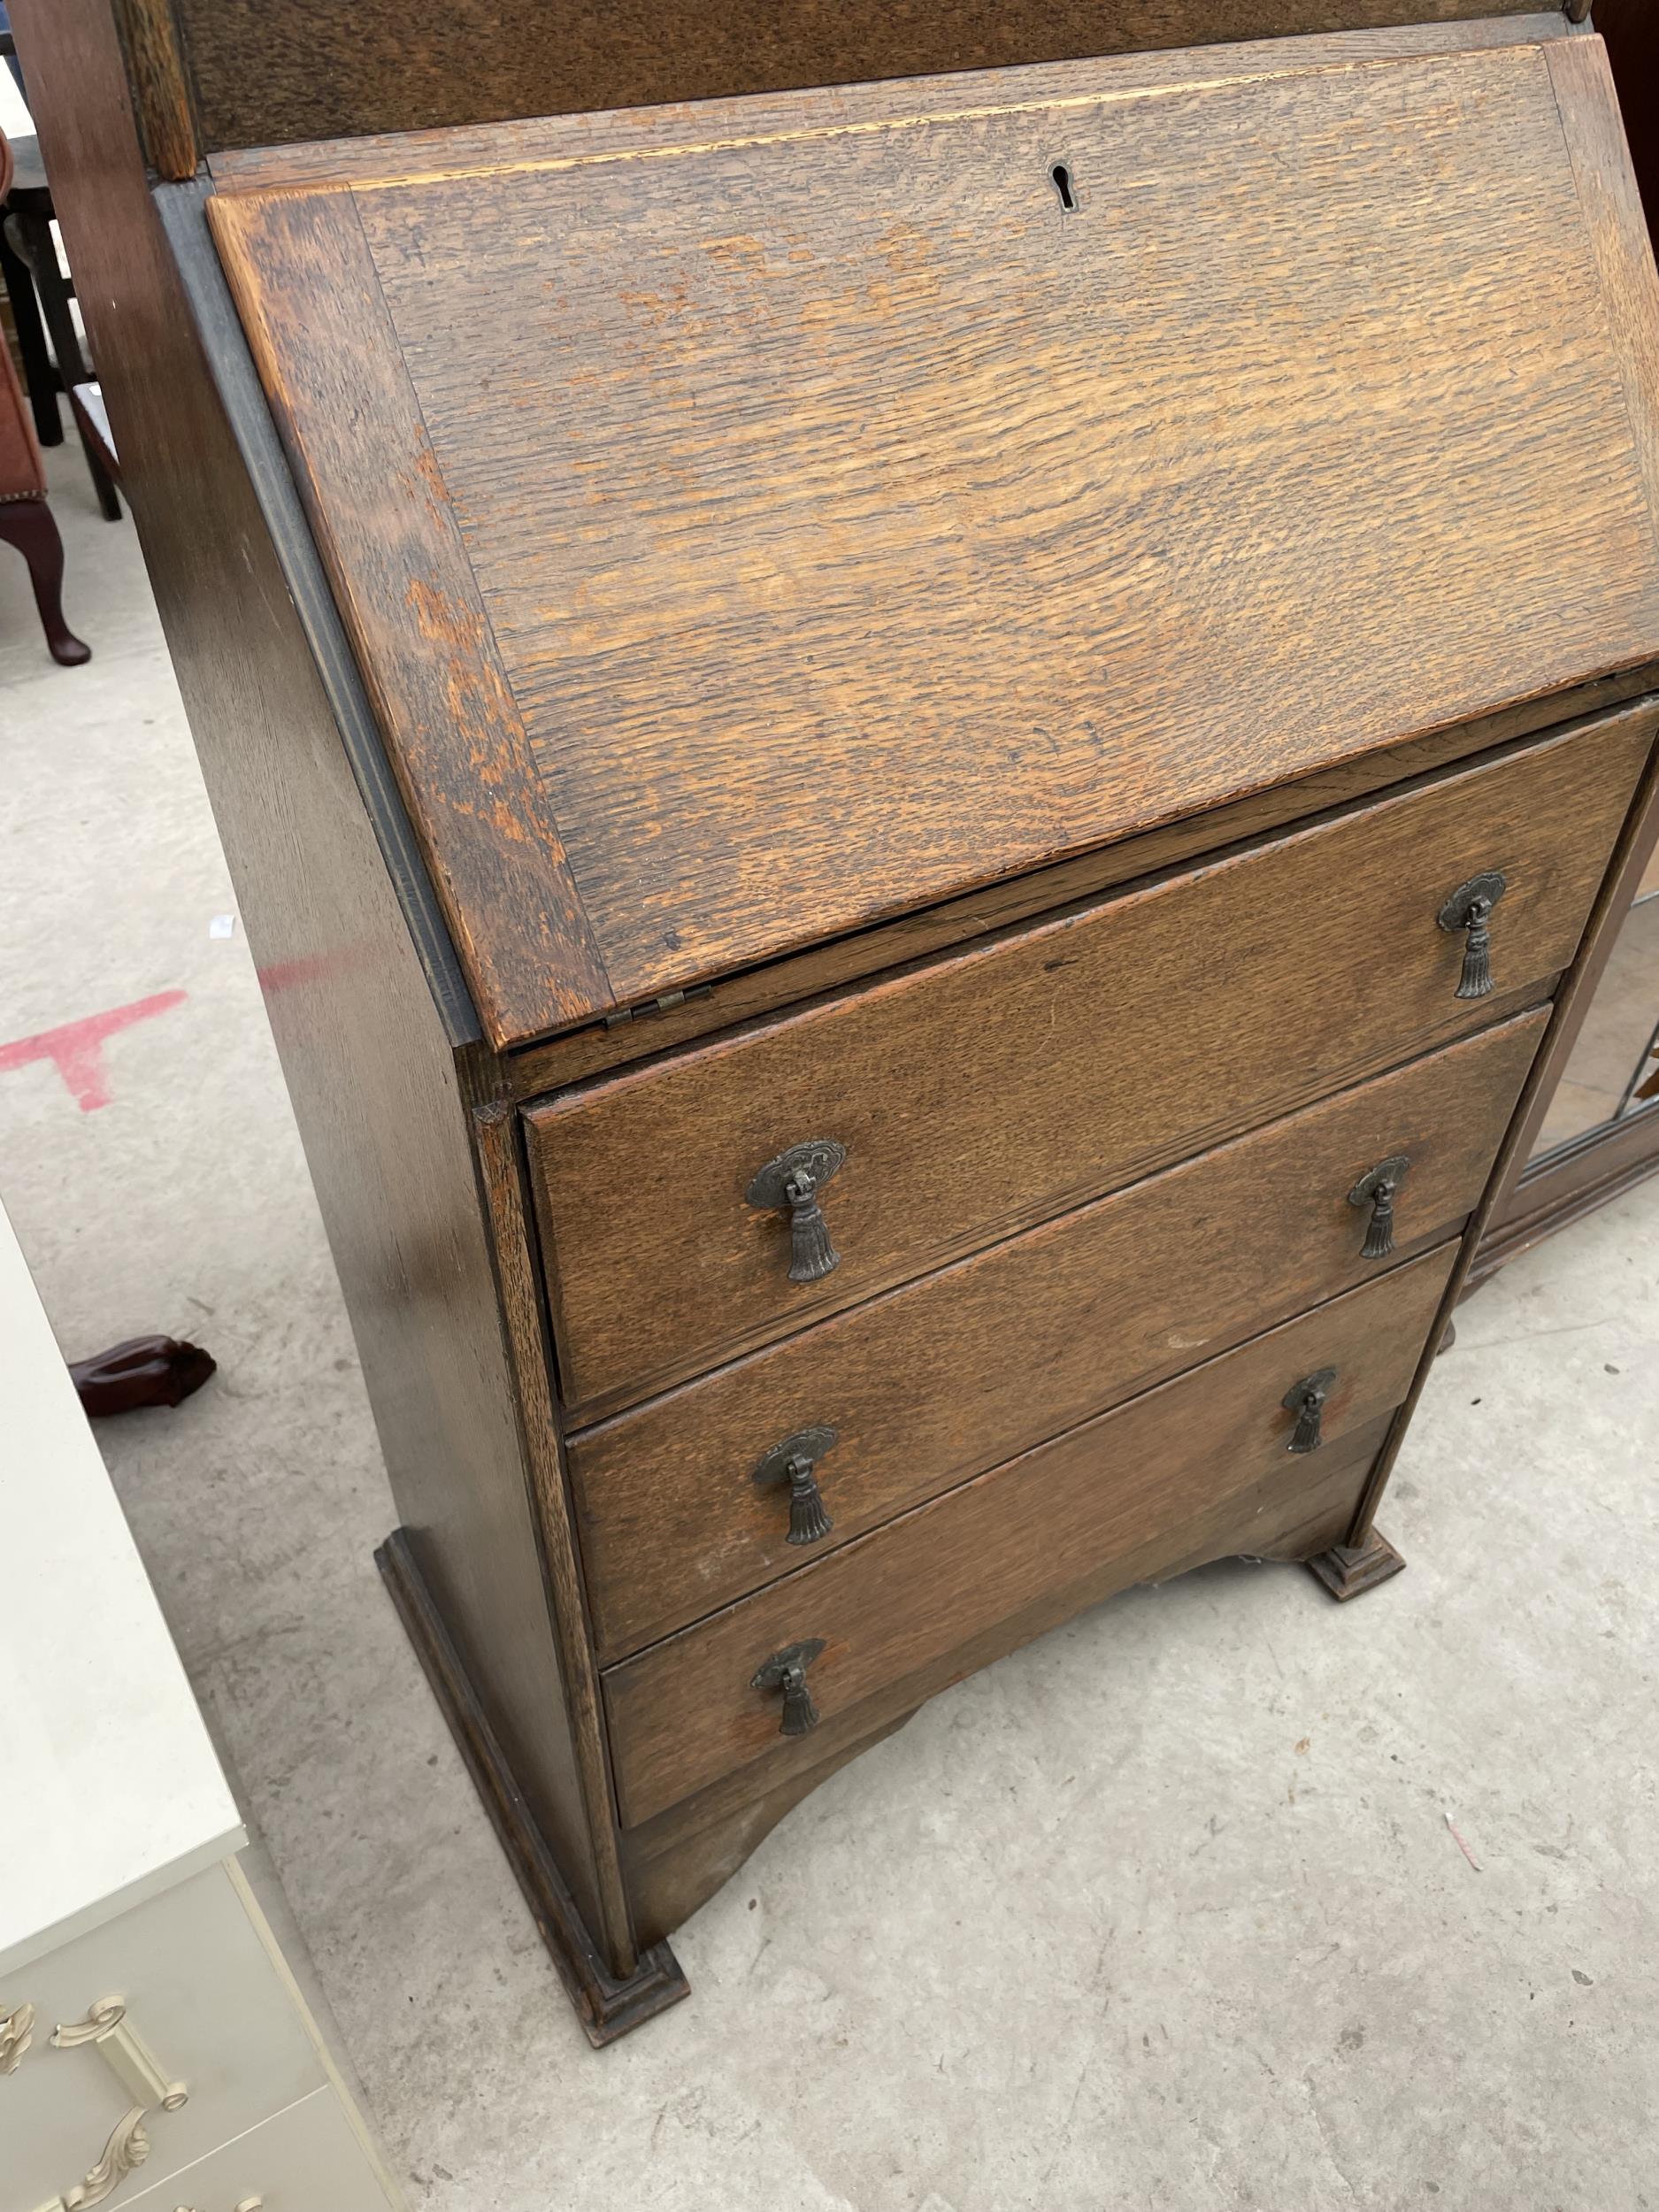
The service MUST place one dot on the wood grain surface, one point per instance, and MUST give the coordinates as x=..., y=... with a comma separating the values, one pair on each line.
x=501, y=1188
x=557, y=1062
x=1611, y=208
x=544, y=133
x=608, y=2002
x=160, y=86
x=336, y=70
x=994, y=1088
x=681, y=1855
x=855, y=527
x=843, y=532
x=944, y=1378
x=684, y=1712
x=385, y=528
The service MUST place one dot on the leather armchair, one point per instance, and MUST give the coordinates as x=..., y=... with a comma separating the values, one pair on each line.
x=25, y=521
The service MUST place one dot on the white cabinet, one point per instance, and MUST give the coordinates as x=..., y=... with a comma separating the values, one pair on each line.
x=159, y=2037
x=155, y=2050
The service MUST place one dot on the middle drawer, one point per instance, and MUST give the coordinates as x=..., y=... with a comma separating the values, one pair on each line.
x=893, y=1402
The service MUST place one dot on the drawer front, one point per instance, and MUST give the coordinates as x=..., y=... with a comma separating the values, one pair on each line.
x=199, y=1992
x=922, y=1387
x=687, y=1711
x=1299, y=1508
x=991, y=1090
x=307, y=2159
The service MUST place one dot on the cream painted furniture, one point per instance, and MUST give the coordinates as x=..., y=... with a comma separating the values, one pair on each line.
x=155, y=2050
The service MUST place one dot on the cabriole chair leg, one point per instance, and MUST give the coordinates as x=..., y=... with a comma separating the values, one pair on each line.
x=28, y=524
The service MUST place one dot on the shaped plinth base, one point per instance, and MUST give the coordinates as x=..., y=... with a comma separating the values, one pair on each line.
x=606, y=2004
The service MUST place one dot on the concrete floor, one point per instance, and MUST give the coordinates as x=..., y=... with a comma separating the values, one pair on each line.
x=1164, y=1912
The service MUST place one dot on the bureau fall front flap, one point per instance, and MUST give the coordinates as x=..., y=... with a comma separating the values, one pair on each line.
x=746, y=538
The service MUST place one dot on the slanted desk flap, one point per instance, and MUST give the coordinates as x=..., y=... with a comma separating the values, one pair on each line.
x=747, y=540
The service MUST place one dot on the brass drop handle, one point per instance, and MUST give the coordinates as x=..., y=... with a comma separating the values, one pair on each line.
x=794, y=1180
x=1306, y=1400
x=1378, y=1189
x=786, y=1670
x=1470, y=909
x=795, y=1460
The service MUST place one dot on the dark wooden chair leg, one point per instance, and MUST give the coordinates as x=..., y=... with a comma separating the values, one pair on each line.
x=145, y=1371
x=40, y=378
x=28, y=524
x=33, y=236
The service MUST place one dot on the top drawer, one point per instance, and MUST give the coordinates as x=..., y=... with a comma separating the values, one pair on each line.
x=990, y=1089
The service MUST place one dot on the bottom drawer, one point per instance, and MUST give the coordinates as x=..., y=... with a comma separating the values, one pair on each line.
x=888, y=1605
x=1299, y=1508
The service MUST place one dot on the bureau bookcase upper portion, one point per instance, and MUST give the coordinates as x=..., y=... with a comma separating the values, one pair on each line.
x=746, y=539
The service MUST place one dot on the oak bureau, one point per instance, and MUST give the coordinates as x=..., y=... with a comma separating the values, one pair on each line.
x=987, y=724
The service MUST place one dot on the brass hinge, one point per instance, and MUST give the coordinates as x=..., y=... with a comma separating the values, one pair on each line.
x=662, y=1004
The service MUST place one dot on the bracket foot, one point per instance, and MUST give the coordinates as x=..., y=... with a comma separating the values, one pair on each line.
x=1346, y=1571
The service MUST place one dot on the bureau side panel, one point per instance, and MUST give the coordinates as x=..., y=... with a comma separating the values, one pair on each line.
x=373, y=1064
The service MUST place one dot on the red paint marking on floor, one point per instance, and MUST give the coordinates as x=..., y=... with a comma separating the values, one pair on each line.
x=76, y=1048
